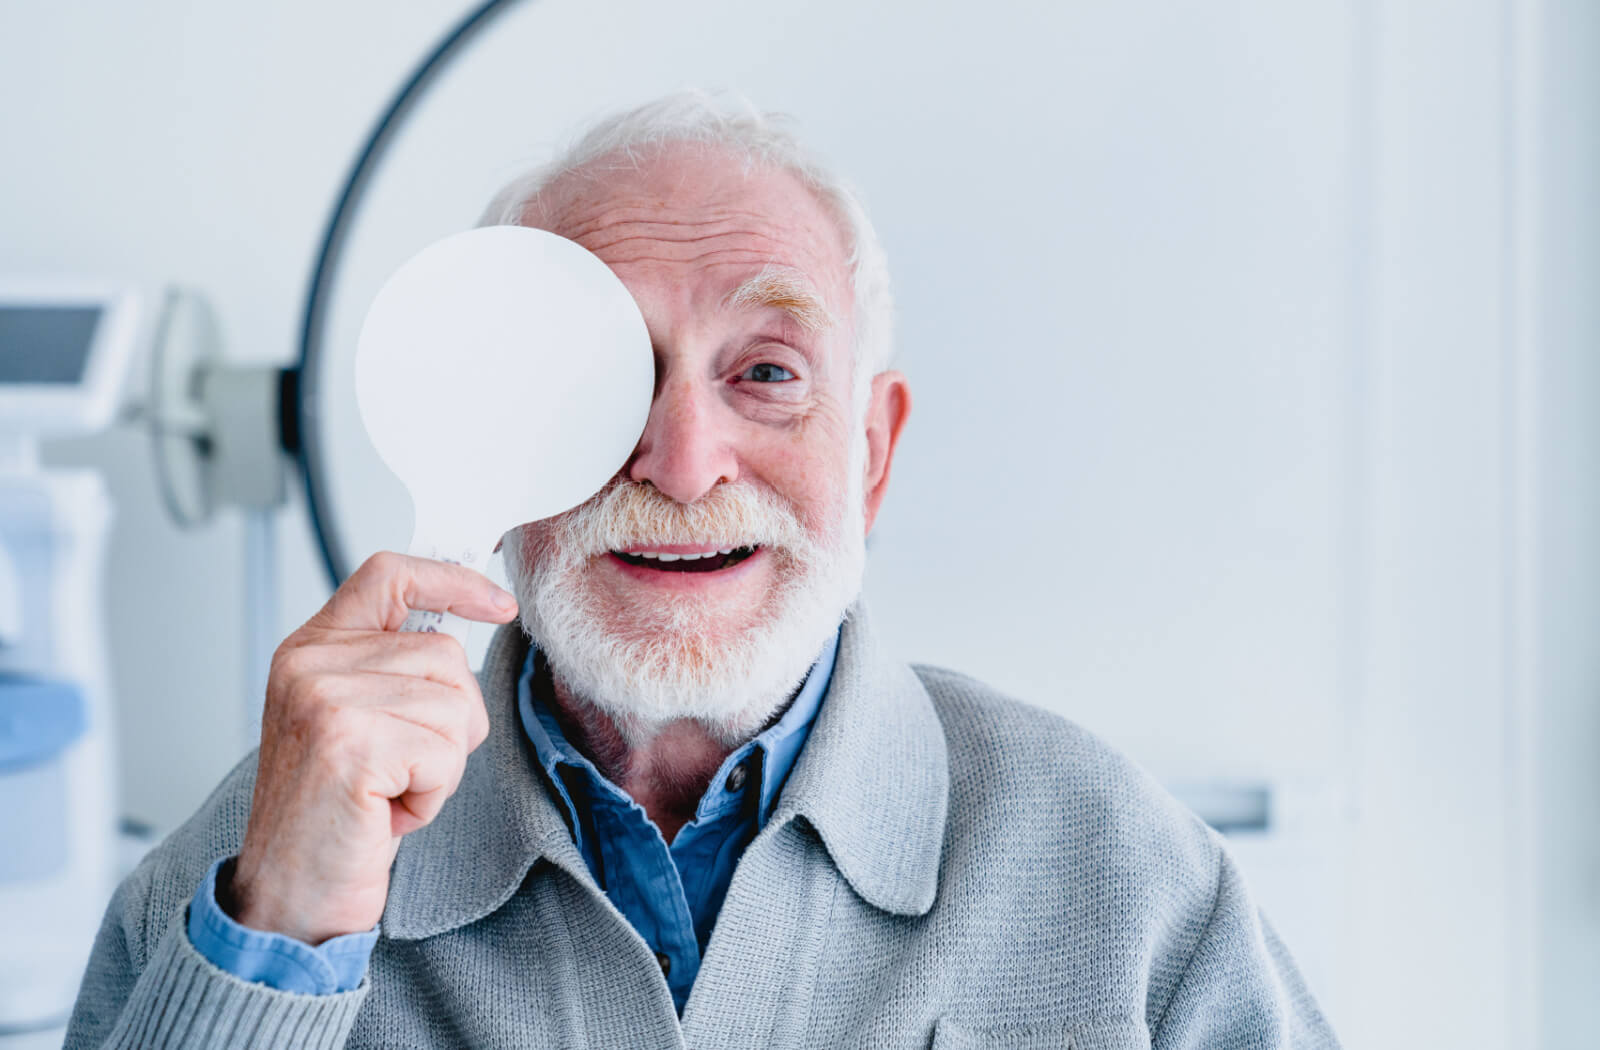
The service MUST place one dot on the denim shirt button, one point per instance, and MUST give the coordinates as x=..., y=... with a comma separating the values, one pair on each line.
x=736, y=778
x=665, y=964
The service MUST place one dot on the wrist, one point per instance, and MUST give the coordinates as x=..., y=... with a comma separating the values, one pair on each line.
x=244, y=900
x=240, y=899
x=241, y=905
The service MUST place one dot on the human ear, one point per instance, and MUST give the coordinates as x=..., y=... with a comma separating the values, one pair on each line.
x=887, y=410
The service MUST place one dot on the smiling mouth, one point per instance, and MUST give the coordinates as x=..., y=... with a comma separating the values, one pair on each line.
x=707, y=561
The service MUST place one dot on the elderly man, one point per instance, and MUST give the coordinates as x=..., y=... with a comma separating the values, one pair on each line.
x=708, y=810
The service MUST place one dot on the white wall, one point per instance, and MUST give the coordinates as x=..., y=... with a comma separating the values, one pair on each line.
x=1561, y=662
x=1234, y=439
x=1429, y=701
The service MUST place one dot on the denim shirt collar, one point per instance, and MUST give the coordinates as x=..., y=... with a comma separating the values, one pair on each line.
x=872, y=778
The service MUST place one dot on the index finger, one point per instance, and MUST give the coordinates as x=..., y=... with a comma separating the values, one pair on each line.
x=379, y=595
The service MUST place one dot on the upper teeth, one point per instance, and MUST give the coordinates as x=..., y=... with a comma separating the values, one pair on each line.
x=661, y=556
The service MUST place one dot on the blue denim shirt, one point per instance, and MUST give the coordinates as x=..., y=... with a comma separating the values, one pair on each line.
x=670, y=894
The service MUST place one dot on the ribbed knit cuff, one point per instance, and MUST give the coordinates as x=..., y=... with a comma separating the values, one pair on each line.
x=182, y=1000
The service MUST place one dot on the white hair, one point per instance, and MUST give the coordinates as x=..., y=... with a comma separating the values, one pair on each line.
x=733, y=124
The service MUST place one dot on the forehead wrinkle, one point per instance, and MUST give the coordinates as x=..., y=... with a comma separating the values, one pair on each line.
x=690, y=242
x=615, y=239
x=603, y=220
x=783, y=288
x=601, y=214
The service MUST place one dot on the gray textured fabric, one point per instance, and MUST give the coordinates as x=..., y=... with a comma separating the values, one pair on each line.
x=946, y=868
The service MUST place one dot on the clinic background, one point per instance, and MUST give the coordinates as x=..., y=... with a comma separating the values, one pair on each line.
x=1257, y=395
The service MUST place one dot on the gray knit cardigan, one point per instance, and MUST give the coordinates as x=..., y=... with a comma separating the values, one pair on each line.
x=946, y=867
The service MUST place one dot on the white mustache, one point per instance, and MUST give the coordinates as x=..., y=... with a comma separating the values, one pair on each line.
x=629, y=514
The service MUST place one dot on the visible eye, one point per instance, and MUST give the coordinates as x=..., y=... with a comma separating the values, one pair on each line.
x=767, y=372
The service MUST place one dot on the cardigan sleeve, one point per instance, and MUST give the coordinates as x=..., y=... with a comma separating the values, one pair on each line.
x=1240, y=987
x=178, y=999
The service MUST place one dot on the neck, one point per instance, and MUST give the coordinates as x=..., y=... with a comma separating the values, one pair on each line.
x=667, y=771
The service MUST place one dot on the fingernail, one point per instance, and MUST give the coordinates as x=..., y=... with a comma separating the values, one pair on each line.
x=504, y=599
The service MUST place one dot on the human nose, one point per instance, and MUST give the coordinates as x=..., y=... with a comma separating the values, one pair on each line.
x=683, y=452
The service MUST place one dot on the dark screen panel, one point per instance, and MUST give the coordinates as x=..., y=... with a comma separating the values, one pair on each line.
x=46, y=344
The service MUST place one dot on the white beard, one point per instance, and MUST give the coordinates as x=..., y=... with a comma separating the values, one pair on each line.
x=671, y=660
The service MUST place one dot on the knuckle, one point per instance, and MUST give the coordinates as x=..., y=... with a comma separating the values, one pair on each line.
x=311, y=701
x=440, y=650
x=453, y=761
x=284, y=651
x=375, y=575
x=475, y=717
x=453, y=729
x=381, y=565
x=313, y=691
x=288, y=663
x=336, y=732
x=478, y=728
x=278, y=671
x=450, y=649
x=466, y=735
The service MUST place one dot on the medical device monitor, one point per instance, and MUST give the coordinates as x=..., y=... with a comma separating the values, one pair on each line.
x=65, y=350
x=46, y=344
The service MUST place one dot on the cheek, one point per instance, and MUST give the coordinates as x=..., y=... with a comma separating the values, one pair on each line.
x=815, y=485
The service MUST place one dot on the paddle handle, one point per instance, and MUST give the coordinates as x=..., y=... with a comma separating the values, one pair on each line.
x=427, y=620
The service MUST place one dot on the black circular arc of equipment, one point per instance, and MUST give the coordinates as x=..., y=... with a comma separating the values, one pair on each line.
x=306, y=431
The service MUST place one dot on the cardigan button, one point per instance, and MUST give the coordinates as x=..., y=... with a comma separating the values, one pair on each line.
x=665, y=963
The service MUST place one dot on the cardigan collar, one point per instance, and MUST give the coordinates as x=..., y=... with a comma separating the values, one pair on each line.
x=873, y=780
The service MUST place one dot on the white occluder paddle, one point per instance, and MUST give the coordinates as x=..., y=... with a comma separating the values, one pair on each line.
x=505, y=375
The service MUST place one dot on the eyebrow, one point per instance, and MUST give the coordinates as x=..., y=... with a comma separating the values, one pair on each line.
x=787, y=289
